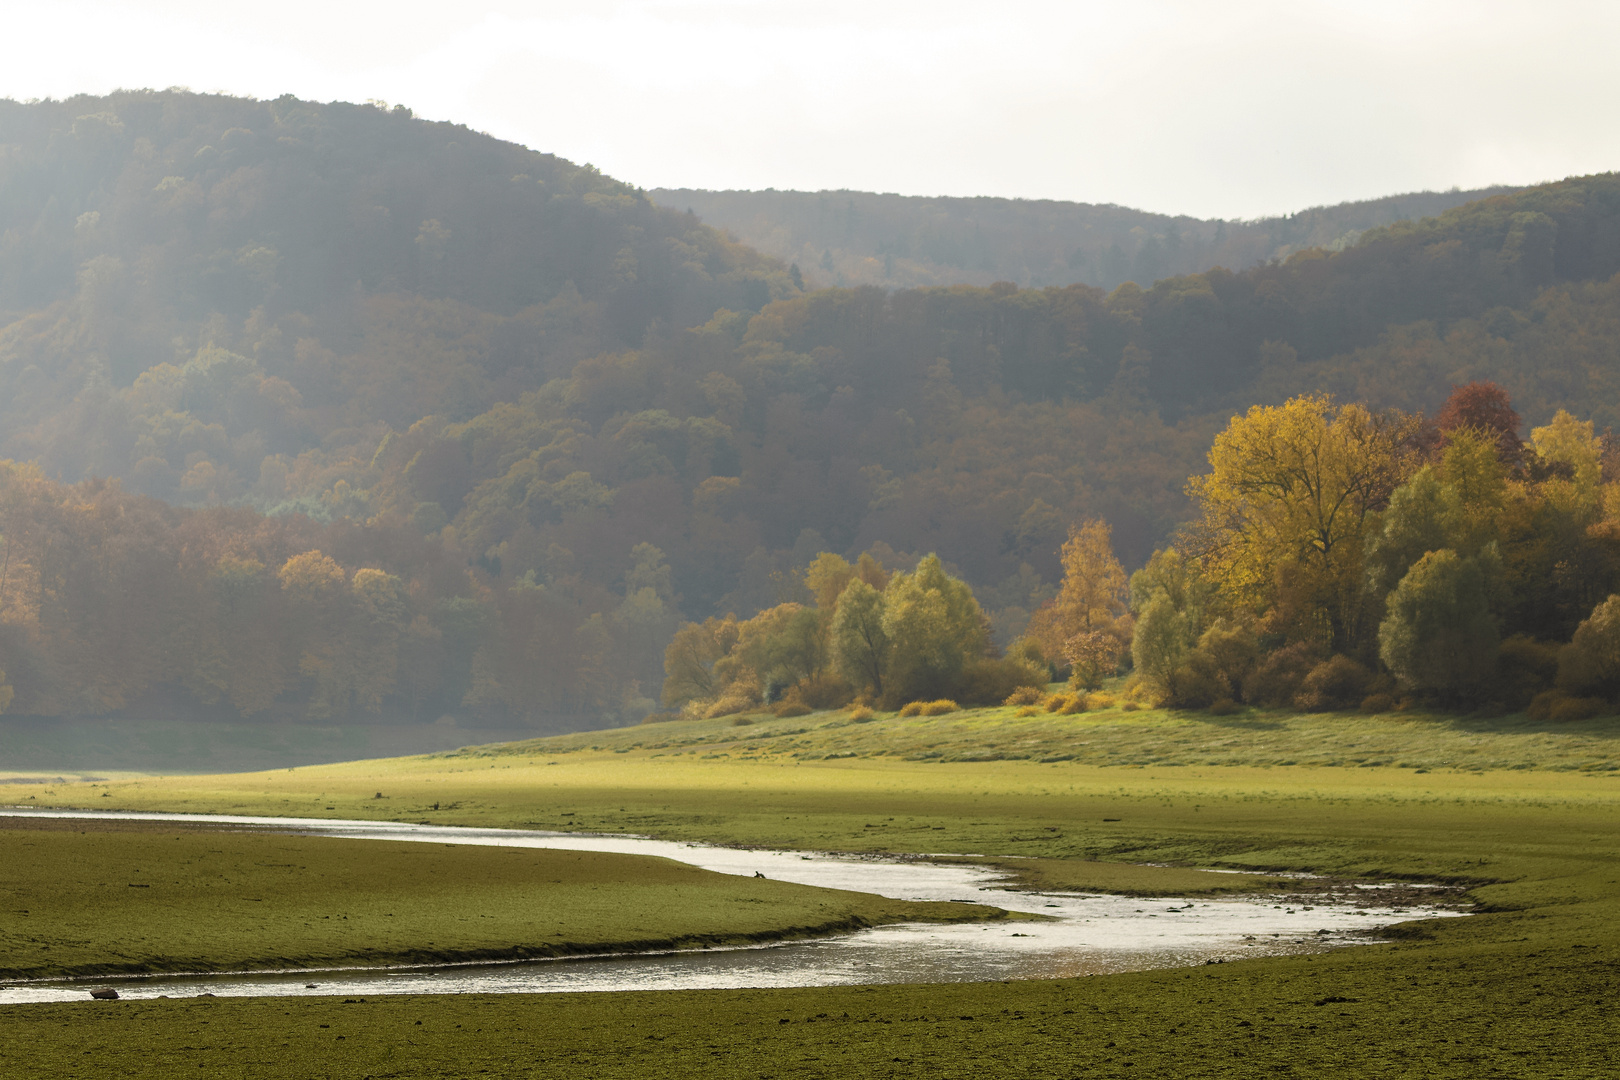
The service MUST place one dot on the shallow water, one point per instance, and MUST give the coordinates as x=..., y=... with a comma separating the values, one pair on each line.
x=1087, y=934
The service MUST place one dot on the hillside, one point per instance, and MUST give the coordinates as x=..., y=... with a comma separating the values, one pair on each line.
x=504, y=422
x=848, y=238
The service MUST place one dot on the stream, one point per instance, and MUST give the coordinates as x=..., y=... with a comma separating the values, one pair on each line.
x=1087, y=935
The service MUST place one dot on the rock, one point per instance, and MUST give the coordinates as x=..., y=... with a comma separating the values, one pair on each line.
x=104, y=995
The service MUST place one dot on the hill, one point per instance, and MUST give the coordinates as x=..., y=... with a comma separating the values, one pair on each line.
x=505, y=423
x=848, y=238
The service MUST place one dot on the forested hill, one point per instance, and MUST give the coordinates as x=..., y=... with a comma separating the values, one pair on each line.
x=848, y=238
x=363, y=268
x=399, y=417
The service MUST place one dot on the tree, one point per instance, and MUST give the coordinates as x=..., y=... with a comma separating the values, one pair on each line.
x=1569, y=446
x=1440, y=634
x=858, y=641
x=1290, y=492
x=1590, y=664
x=1485, y=408
x=1171, y=600
x=1082, y=623
x=934, y=627
x=690, y=658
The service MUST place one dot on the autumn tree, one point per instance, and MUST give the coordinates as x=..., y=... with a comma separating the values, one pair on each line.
x=1483, y=407
x=1082, y=624
x=1287, y=504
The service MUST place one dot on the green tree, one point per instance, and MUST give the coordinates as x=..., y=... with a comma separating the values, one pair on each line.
x=1440, y=634
x=935, y=629
x=858, y=641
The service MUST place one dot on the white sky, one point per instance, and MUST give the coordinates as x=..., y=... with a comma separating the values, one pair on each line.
x=1234, y=109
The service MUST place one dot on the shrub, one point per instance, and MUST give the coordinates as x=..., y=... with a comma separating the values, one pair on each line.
x=1275, y=682
x=823, y=691
x=1130, y=706
x=1231, y=651
x=1024, y=695
x=911, y=708
x=1225, y=707
x=792, y=708
x=1028, y=710
x=938, y=708
x=742, y=721
x=990, y=682
x=1336, y=683
x=1556, y=706
x=1524, y=668
x=1196, y=683
x=1378, y=703
x=862, y=714
x=1099, y=700
x=1074, y=703
x=1590, y=663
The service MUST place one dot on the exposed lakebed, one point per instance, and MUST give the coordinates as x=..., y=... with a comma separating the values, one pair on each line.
x=1083, y=934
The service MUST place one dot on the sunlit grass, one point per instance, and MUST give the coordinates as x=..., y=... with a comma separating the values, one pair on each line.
x=93, y=897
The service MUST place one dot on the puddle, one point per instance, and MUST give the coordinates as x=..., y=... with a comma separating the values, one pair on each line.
x=1088, y=934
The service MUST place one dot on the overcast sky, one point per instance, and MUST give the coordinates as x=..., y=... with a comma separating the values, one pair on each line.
x=1236, y=109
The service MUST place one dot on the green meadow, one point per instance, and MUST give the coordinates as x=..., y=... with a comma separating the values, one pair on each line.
x=109, y=897
x=1525, y=818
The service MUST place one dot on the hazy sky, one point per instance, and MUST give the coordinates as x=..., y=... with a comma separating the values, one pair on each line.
x=1234, y=109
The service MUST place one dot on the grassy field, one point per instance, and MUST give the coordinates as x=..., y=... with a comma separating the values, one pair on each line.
x=109, y=897
x=1524, y=988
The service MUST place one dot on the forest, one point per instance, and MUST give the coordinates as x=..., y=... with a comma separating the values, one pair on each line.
x=515, y=416
x=850, y=238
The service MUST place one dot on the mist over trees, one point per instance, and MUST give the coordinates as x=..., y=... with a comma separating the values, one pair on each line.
x=850, y=238
x=510, y=407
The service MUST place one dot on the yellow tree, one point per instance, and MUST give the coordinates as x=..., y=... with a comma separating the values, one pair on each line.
x=1082, y=624
x=1286, y=506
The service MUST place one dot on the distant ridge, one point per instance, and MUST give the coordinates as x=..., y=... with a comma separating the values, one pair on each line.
x=843, y=238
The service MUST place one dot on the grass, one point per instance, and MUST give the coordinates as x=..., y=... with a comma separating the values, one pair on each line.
x=1522, y=989
x=1517, y=1011
x=92, y=898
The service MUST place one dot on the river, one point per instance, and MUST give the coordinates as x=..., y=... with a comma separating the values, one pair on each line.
x=1086, y=934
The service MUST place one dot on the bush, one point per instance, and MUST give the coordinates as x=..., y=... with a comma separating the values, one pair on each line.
x=1028, y=710
x=939, y=707
x=1130, y=706
x=823, y=691
x=1524, y=668
x=911, y=708
x=1590, y=663
x=862, y=714
x=1231, y=651
x=1074, y=703
x=1225, y=707
x=1280, y=675
x=1196, y=683
x=1336, y=683
x=792, y=708
x=1024, y=695
x=1378, y=703
x=742, y=721
x=1099, y=700
x=991, y=682
x=1558, y=707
